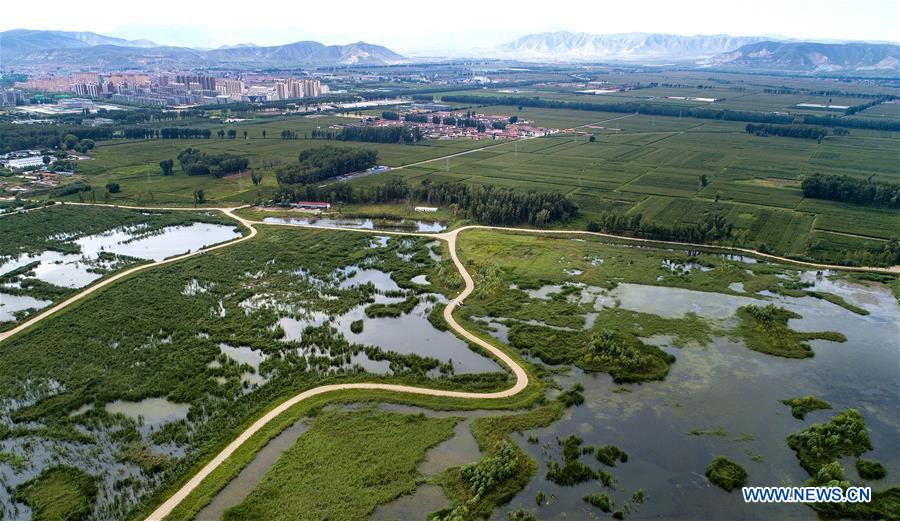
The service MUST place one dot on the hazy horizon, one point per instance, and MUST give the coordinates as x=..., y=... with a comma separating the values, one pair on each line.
x=407, y=26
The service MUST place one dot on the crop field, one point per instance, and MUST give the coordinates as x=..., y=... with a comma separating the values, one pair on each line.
x=652, y=166
x=636, y=163
x=135, y=164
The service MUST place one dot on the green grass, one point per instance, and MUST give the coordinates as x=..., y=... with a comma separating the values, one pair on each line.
x=59, y=494
x=344, y=466
x=57, y=228
x=765, y=329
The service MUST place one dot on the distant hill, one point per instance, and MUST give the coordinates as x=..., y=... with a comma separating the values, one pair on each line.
x=809, y=56
x=569, y=46
x=24, y=47
x=19, y=41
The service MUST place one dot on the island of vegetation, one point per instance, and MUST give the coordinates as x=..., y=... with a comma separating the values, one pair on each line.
x=726, y=474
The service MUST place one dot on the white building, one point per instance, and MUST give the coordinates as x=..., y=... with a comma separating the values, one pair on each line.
x=427, y=209
x=25, y=162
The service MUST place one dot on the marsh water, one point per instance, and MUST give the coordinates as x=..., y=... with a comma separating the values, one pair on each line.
x=362, y=224
x=76, y=270
x=729, y=397
x=460, y=449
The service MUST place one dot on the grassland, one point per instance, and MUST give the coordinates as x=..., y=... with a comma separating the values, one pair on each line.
x=134, y=164
x=59, y=493
x=345, y=465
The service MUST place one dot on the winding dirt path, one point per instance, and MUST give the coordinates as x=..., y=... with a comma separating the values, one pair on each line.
x=521, y=377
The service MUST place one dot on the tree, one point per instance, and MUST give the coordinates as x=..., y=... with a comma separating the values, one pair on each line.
x=166, y=166
x=245, y=134
x=70, y=141
x=220, y=133
x=264, y=133
x=46, y=160
x=199, y=197
x=703, y=180
x=112, y=188
x=256, y=177
x=592, y=139
x=513, y=119
x=232, y=133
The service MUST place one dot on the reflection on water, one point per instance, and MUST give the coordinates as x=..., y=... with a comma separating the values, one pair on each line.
x=360, y=224
x=677, y=302
x=413, y=333
x=426, y=499
x=9, y=304
x=246, y=356
x=153, y=411
x=78, y=270
x=728, y=387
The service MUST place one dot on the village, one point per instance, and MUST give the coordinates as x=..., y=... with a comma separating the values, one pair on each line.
x=440, y=122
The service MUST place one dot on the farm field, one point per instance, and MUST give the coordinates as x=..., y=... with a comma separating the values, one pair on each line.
x=651, y=165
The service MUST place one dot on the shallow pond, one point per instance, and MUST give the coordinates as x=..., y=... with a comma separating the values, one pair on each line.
x=360, y=224
x=78, y=270
x=416, y=335
x=725, y=387
x=153, y=411
x=9, y=304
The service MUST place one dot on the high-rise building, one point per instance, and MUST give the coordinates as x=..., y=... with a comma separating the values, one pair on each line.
x=281, y=90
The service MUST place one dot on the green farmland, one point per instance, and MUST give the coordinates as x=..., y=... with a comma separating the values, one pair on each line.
x=665, y=169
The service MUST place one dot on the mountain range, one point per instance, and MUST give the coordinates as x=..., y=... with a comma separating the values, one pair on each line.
x=23, y=47
x=811, y=56
x=20, y=47
x=569, y=46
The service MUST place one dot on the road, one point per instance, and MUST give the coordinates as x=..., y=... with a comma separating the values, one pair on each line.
x=521, y=377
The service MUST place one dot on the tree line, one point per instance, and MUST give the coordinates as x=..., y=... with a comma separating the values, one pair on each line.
x=195, y=162
x=20, y=137
x=844, y=188
x=400, y=134
x=655, y=109
x=166, y=133
x=498, y=206
x=863, y=106
x=485, y=204
x=712, y=227
x=326, y=162
x=799, y=131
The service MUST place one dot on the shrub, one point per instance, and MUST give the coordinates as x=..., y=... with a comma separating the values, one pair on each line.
x=726, y=473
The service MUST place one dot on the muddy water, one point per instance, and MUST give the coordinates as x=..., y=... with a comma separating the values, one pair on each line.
x=726, y=387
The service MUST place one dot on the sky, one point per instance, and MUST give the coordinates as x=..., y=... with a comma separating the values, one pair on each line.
x=406, y=25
